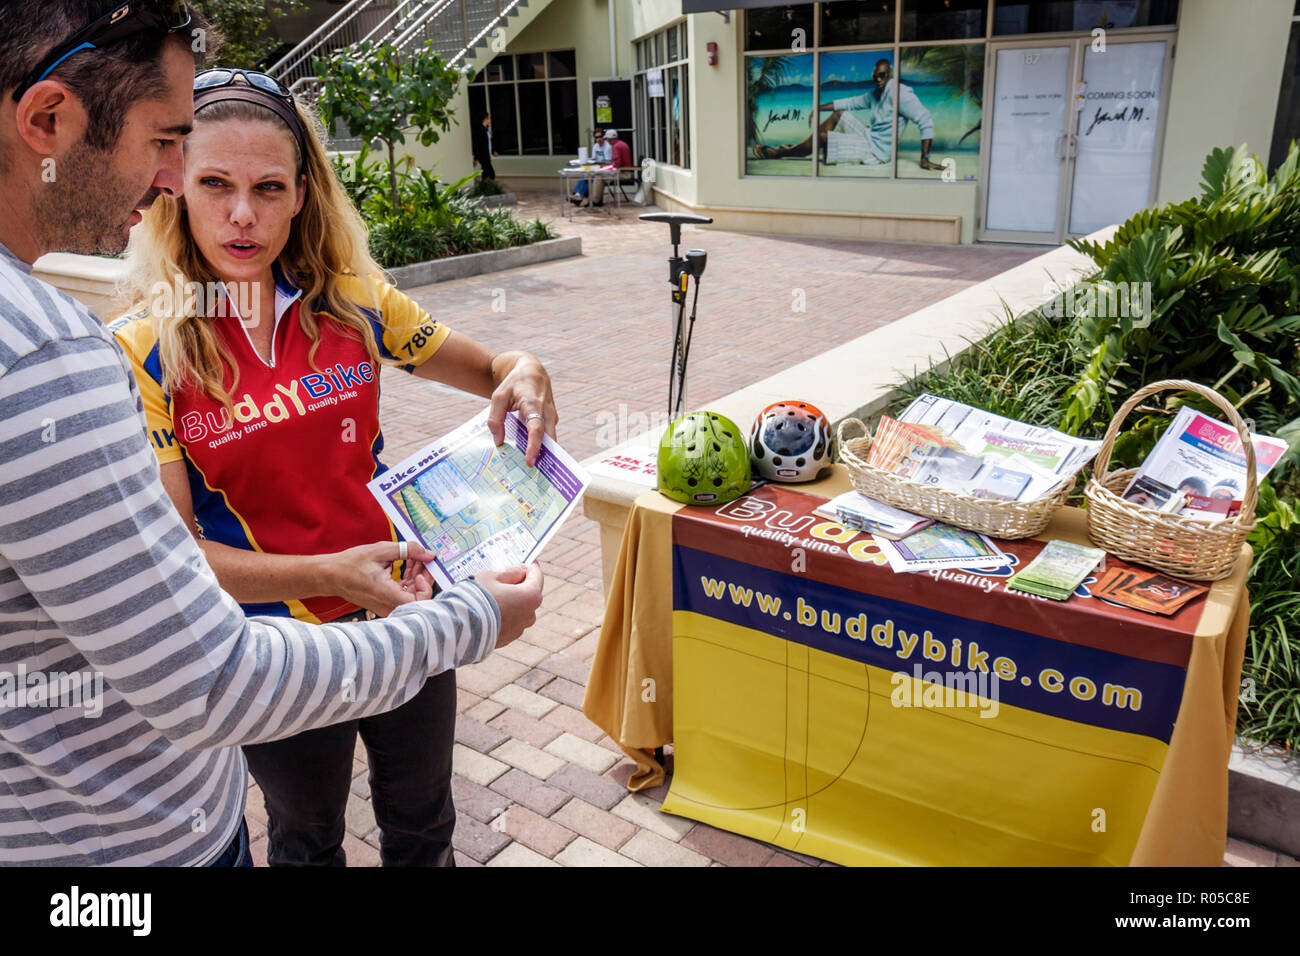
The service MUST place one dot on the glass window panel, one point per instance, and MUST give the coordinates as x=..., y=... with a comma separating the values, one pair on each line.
x=943, y=19
x=674, y=116
x=672, y=44
x=639, y=97
x=857, y=22
x=500, y=69
x=686, y=116
x=532, y=66
x=564, y=116
x=858, y=131
x=941, y=89
x=477, y=103
x=562, y=63
x=779, y=108
x=505, y=133
x=685, y=48
x=775, y=28
x=1063, y=16
x=533, y=137
x=640, y=64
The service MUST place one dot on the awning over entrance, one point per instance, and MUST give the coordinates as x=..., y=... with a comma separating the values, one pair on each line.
x=720, y=6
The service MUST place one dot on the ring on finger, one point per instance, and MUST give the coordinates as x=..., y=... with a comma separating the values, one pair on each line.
x=401, y=550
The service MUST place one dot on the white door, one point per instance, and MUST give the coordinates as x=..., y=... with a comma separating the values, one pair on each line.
x=1073, y=136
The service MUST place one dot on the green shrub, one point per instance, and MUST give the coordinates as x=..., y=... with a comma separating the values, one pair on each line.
x=431, y=219
x=1224, y=274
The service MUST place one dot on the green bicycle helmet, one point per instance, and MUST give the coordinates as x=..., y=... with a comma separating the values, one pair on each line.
x=703, y=460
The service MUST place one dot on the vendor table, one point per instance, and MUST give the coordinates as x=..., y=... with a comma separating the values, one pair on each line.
x=571, y=175
x=814, y=697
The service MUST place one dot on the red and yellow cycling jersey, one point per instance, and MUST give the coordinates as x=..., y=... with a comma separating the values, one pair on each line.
x=287, y=472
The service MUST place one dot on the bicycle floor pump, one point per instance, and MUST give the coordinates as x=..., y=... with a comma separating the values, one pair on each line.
x=680, y=271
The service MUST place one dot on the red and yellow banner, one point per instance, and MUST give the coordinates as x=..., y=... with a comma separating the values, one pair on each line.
x=828, y=705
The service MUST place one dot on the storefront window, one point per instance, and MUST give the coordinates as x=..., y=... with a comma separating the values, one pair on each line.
x=779, y=28
x=943, y=19
x=661, y=95
x=939, y=110
x=857, y=22
x=1066, y=16
x=855, y=113
x=533, y=101
x=780, y=117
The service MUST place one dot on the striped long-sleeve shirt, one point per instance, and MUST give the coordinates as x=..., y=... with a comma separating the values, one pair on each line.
x=127, y=676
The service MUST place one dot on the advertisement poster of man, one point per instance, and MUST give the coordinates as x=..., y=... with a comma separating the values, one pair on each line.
x=949, y=80
x=852, y=130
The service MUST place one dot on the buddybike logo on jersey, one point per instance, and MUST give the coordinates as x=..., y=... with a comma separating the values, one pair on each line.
x=304, y=395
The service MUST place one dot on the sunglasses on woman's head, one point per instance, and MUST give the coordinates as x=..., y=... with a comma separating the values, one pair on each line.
x=125, y=20
x=213, y=79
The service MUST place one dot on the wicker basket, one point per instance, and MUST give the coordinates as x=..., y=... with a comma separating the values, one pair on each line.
x=999, y=519
x=1194, y=548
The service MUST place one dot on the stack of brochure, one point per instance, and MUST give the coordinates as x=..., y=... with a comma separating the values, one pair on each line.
x=855, y=510
x=1057, y=571
x=939, y=442
x=1146, y=590
x=1198, y=468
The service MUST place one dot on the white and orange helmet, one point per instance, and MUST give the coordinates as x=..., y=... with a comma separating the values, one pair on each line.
x=790, y=441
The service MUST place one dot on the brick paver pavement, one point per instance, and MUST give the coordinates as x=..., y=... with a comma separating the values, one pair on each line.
x=536, y=783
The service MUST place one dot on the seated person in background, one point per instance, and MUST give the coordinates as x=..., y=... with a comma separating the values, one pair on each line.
x=600, y=153
x=622, y=158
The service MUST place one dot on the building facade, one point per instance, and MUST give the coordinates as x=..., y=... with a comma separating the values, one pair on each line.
x=925, y=120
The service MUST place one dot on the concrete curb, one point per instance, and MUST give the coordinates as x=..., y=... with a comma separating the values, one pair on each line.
x=502, y=199
x=478, y=263
x=1264, y=797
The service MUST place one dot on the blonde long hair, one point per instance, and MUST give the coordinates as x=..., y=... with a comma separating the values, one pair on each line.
x=327, y=249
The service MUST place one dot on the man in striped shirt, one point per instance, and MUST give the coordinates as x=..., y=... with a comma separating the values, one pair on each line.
x=127, y=677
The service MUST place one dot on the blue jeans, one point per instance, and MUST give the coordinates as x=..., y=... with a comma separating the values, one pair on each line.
x=306, y=778
x=581, y=188
x=237, y=853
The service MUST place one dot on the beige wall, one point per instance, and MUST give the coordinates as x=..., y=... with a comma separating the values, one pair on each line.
x=1227, y=74
x=1224, y=87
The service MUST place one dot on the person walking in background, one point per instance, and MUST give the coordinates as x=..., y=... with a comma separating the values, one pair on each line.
x=481, y=143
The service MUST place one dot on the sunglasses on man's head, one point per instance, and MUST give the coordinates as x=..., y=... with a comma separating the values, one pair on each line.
x=125, y=20
x=212, y=79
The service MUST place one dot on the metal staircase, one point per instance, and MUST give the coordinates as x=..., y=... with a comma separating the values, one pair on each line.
x=461, y=30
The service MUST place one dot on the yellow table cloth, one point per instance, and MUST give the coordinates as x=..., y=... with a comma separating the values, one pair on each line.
x=773, y=736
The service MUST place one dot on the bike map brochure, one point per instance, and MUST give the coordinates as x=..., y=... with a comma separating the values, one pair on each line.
x=942, y=546
x=479, y=505
x=1059, y=568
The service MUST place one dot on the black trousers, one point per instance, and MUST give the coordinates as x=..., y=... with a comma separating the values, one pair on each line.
x=305, y=780
x=489, y=171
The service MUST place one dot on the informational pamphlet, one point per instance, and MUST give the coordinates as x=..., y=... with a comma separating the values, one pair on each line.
x=479, y=505
x=982, y=434
x=1059, y=568
x=1146, y=590
x=942, y=546
x=855, y=510
x=1199, y=457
